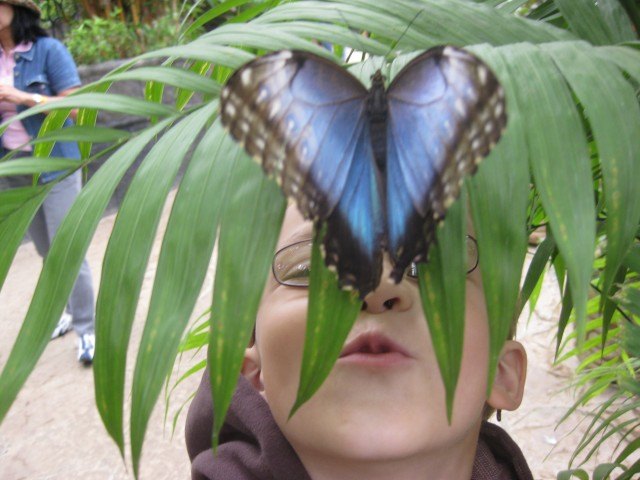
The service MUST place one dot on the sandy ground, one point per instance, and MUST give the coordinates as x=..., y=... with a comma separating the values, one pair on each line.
x=53, y=430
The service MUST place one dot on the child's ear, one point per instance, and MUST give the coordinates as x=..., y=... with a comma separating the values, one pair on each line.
x=508, y=386
x=252, y=367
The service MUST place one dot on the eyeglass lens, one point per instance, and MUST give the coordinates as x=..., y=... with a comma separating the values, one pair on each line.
x=292, y=264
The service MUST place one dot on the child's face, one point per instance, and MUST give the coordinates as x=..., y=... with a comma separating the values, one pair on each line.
x=369, y=407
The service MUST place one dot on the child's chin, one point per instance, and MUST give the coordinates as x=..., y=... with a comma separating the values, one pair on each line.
x=385, y=443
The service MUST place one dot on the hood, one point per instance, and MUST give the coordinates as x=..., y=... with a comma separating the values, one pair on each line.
x=251, y=444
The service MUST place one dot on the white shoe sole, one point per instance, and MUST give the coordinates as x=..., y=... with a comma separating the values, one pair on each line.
x=63, y=326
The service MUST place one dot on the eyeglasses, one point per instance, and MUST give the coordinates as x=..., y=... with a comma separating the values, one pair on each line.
x=292, y=264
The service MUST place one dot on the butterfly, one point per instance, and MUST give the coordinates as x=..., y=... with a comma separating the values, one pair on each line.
x=379, y=167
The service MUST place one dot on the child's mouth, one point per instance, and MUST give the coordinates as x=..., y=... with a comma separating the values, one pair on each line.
x=374, y=350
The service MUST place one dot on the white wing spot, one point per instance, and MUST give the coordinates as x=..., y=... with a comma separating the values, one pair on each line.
x=470, y=92
x=449, y=129
x=230, y=109
x=475, y=144
x=262, y=95
x=245, y=77
x=225, y=93
x=483, y=74
x=459, y=105
x=275, y=108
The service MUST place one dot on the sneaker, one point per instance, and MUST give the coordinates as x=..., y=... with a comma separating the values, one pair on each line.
x=86, y=347
x=63, y=326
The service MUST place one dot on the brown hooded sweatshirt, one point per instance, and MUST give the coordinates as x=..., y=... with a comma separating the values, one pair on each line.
x=252, y=447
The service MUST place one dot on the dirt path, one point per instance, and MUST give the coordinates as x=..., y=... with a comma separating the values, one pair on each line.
x=53, y=430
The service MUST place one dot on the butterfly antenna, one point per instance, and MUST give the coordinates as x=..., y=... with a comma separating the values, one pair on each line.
x=404, y=33
x=357, y=42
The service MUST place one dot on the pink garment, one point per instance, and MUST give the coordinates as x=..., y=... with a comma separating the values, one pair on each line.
x=15, y=136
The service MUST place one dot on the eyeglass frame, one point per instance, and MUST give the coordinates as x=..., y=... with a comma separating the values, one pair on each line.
x=275, y=276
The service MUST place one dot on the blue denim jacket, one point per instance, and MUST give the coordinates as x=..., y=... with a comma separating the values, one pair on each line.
x=47, y=68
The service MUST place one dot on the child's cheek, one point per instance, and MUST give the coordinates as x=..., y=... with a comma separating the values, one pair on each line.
x=280, y=335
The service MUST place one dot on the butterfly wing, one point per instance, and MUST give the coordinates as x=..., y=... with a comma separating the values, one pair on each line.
x=304, y=119
x=445, y=112
x=355, y=229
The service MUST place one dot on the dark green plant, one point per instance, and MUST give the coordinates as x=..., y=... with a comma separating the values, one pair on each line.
x=98, y=39
x=115, y=35
x=610, y=364
x=570, y=73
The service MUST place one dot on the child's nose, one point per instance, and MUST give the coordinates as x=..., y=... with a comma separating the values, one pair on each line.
x=388, y=296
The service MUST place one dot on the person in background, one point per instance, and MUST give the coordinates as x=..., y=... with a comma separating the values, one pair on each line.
x=34, y=70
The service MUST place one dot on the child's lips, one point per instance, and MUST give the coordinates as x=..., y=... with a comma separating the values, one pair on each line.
x=374, y=350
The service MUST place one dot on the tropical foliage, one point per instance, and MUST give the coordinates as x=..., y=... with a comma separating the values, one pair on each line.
x=568, y=160
x=610, y=361
x=96, y=31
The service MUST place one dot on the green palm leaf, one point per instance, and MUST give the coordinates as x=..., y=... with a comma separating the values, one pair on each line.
x=17, y=208
x=331, y=314
x=585, y=19
x=559, y=162
x=182, y=266
x=500, y=189
x=442, y=290
x=248, y=233
x=126, y=260
x=614, y=124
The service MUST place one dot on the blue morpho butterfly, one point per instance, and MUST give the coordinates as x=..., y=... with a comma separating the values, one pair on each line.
x=379, y=167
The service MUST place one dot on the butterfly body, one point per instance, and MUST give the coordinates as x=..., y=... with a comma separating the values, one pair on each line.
x=378, y=167
x=377, y=110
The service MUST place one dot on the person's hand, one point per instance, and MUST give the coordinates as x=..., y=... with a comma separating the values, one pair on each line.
x=13, y=95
